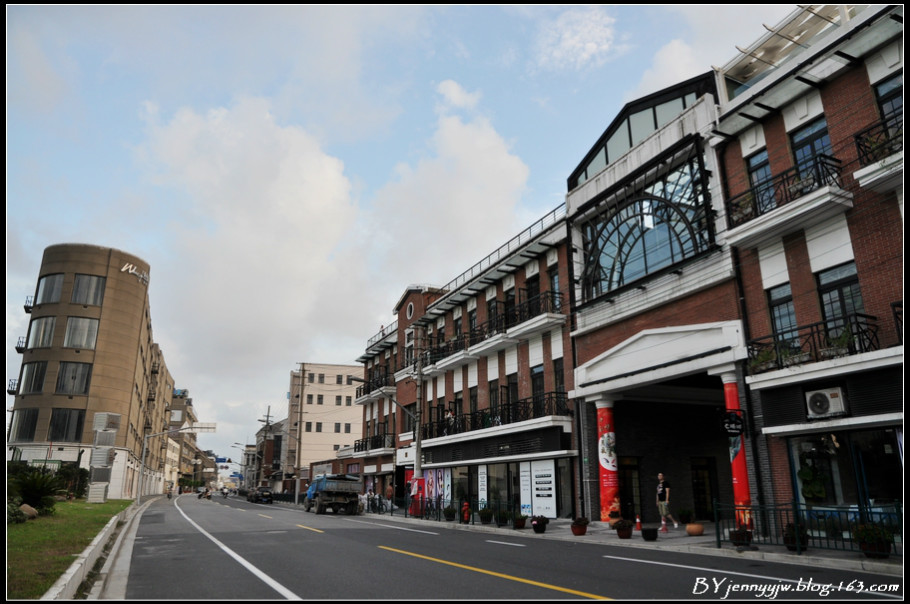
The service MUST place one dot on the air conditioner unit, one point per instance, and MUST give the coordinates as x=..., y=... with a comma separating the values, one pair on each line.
x=825, y=403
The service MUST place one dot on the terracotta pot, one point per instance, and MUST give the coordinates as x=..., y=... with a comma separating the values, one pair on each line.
x=579, y=529
x=695, y=529
x=624, y=533
x=881, y=549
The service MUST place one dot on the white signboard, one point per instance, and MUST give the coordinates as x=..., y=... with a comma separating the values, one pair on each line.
x=543, y=487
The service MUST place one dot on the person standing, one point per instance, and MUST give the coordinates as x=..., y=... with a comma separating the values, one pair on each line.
x=663, y=500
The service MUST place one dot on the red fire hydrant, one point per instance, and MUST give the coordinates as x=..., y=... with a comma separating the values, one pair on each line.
x=465, y=512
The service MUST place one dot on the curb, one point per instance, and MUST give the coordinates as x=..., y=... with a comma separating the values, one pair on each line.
x=67, y=585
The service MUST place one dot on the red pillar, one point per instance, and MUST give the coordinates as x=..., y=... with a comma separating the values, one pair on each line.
x=742, y=496
x=606, y=455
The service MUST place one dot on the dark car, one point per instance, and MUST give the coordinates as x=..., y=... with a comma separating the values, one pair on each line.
x=260, y=495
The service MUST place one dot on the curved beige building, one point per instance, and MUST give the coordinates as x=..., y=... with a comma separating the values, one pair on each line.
x=89, y=351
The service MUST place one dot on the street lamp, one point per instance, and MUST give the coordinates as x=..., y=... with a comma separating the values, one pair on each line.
x=195, y=427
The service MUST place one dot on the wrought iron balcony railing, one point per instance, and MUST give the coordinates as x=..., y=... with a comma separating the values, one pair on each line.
x=13, y=387
x=820, y=171
x=544, y=405
x=370, y=443
x=880, y=140
x=849, y=335
x=897, y=311
x=376, y=382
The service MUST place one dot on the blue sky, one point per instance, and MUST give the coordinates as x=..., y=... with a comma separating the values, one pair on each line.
x=288, y=171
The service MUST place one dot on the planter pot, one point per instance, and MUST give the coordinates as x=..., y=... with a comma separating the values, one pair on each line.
x=695, y=529
x=486, y=520
x=519, y=523
x=793, y=544
x=624, y=533
x=539, y=528
x=579, y=529
x=741, y=537
x=881, y=549
x=649, y=534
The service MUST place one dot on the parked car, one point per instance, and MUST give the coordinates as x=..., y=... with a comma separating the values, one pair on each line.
x=260, y=495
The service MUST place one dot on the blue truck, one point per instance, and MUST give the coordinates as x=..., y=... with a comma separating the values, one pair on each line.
x=336, y=491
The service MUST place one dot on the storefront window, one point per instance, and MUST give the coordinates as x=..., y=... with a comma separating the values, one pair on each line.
x=849, y=468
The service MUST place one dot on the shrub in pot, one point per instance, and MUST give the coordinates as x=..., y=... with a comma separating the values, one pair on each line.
x=623, y=529
x=796, y=540
x=649, y=534
x=539, y=523
x=741, y=537
x=874, y=540
x=486, y=515
x=449, y=512
x=519, y=521
x=580, y=526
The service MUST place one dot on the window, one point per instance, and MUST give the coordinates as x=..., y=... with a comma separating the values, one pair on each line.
x=322, y=378
x=338, y=427
x=472, y=394
x=808, y=144
x=49, y=288
x=318, y=399
x=309, y=426
x=66, y=425
x=311, y=377
x=457, y=329
x=760, y=181
x=88, y=290
x=554, y=288
x=841, y=298
x=411, y=411
x=559, y=383
x=338, y=400
x=472, y=320
x=74, y=378
x=890, y=96
x=23, y=425
x=338, y=379
x=347, y=428
x=80, y=333
x=33, y=377
x=41, y=332
x=318, y=426
x=309, y=399
x=783, y=316
x=641, y=230
x=494, y=397
x=347, y=401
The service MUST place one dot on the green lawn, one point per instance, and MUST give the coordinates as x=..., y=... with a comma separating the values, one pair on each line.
x=40, y=550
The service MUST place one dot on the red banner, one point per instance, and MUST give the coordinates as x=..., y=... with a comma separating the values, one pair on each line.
x=606, y=453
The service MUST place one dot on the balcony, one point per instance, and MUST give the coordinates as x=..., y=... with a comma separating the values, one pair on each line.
x=29, y=304
x=880, y=149
x=13, y=387
x=850, y=335
x=375, y=385
x=20, y=345
x=544, y=405
x=372, y=443
x=804, y=195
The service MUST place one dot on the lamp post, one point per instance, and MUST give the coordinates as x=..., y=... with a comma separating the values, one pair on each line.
x=196, y=427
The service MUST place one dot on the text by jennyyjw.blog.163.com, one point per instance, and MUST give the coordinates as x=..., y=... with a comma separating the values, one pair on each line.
x=725, y=588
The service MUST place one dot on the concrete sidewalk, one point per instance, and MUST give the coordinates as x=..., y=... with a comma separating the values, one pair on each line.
x=676, y=539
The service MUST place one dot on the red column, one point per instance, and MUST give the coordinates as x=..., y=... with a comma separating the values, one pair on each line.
x=742, y=497
x=606, y=455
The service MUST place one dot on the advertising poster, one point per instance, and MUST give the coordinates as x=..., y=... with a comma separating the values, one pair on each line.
x=609, y=470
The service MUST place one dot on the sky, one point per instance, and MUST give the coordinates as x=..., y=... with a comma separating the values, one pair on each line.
x=287, y=171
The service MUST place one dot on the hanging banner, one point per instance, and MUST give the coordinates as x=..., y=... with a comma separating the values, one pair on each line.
x=606, y=454
x=742, y=498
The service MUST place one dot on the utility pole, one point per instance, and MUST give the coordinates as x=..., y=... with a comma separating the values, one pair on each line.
x=265, y=439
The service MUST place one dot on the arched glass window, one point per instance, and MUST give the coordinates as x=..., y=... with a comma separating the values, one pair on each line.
x=645, y=231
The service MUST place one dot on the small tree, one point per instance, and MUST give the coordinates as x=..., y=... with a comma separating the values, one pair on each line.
x=37, y=489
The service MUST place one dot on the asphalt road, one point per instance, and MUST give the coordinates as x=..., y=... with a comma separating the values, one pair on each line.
x=229, y=549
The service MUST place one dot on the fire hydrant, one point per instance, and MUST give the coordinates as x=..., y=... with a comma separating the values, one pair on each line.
x=465, y=512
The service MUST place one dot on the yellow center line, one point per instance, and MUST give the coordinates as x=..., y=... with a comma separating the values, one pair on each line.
x=264, y=516
x=500, y=575
x=310, y=529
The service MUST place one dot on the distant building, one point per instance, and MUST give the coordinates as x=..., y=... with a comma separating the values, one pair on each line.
x=89, y=350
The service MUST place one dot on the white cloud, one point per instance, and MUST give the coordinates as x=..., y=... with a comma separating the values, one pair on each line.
x=456, y=96
x=578, y=39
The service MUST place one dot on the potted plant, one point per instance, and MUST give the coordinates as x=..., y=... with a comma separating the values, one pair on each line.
x=539, y=523
x=504, y=517
x=764, y=359
x=624, y=529
x=449, y=512
x=486, y=515
x=580, y=526
x=796, y=540
x=649, y=533
x=519, y=521
x=741, y=537
x=839, y=345
x=874, y=540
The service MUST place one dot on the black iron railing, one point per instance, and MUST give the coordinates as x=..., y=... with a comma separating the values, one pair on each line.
x=379, y=441
x=848, y=335
x=801, y=526
x=547, y=404
x=881, y=140
x=897, y=311
x=376, y=382
x=820, y=171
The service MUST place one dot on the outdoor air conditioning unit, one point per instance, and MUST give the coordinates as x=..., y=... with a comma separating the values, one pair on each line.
x=825, y=403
